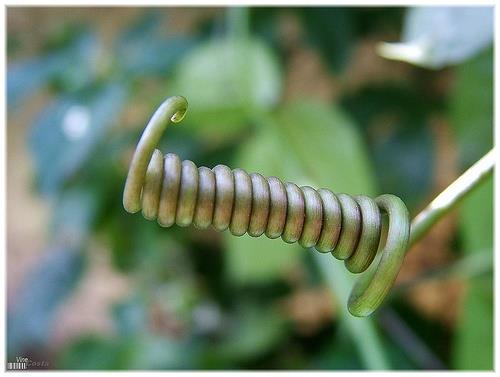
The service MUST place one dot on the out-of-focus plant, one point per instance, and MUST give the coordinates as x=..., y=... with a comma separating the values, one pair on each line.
x=226, y=293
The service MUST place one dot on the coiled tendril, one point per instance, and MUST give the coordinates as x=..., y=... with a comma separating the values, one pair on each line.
x=175, y=191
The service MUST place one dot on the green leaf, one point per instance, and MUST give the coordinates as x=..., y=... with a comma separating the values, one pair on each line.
x=311, y=144
x=253, y=331
x=257, y=260
x=472, y=115
x=405, y=134
x=72, y=66
x=323, y=148
x=280, y=149
x=91, y=353
x=473, y=346
x=145, y=351
x=471, y=107
x=155, y=351
x=227, y=82
x=328, y=152
x=142, y=49
x=260, y=260
x=75, y=213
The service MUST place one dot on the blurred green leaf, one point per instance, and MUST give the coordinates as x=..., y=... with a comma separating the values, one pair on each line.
x=264, y=23
x=395, y=120
x=378, y=20
x=137, y=243
x=260, y=260
x=473, y=348
x=146, y=351
x=324, y=149
x=312, y=144
x=472, y=118
x=253, y=331
x=130, y=236
x=332, y=30
x=62, y=35
x=339, y=354
x=130, y=316
x=477, y=219
x=161, y=267
x=471, y=107
x=256, y=260
x=434, y=37
x=134, y=345
x=72, y=66
x=408, y=176
x=65, y=134
x=306, y=133
x=143, y=50
x=74, y=214
x=155, y=351
x=91, y=353
x=227, y=82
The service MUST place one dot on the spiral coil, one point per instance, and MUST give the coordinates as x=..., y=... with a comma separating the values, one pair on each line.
x=350, y=227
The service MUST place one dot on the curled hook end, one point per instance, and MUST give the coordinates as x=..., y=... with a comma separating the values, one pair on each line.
x=359, y=307
x=373, y=286
x=173, y=109
x=181, y=104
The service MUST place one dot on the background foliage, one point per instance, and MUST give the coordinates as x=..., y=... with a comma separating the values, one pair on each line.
x=299, y=93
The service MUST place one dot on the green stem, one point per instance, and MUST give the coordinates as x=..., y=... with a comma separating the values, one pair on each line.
x=451, y=196
x=362, y=330
x=237, y=19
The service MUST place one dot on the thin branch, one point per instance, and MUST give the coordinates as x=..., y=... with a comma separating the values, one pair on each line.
x=451, y=196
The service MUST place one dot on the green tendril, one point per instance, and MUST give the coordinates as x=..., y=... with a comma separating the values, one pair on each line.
x=350, y=227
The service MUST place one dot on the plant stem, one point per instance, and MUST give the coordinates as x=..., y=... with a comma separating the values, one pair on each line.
x=237, y=22
x=451, y=196
x=362, y=330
